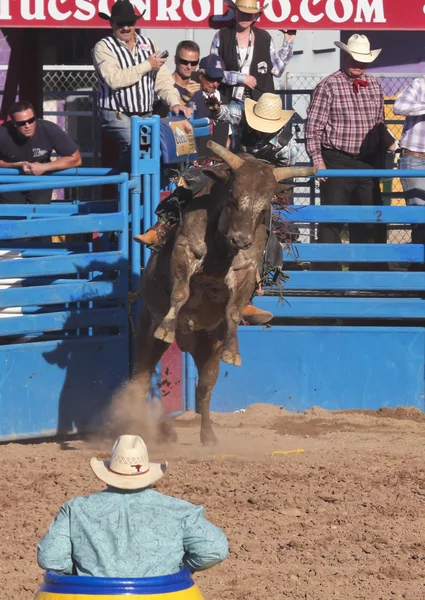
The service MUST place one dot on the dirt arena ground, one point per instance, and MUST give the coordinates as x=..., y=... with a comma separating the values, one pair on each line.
x=344, y=519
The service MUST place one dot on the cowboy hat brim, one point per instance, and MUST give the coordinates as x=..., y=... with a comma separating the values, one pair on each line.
x=265, y=125
x=106, y=17
x=360, y=57
x=245, y=9
x=127, y=482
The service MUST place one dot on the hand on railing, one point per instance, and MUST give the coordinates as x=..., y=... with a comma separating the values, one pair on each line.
x=321, y=167
x=180, y=108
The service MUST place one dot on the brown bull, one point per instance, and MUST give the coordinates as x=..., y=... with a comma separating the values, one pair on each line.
x=195, y=287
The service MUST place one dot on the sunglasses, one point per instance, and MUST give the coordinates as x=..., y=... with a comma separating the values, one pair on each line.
x=212, y=79
x=122, y=24
x=192, y=63
x=27, y=122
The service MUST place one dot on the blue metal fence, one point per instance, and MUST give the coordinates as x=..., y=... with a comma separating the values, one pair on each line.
x=65, y=349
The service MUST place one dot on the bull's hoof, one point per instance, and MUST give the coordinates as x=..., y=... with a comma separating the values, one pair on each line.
x=208, y=438
x=231, y=358
x=165, y=335
x=166, y=433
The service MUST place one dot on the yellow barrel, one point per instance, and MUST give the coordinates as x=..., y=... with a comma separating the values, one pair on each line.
x=179, y=586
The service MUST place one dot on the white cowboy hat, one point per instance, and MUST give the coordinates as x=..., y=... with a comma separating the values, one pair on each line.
x=246, y=6
x=267, y=115
x=358, y=46
x=129, y=467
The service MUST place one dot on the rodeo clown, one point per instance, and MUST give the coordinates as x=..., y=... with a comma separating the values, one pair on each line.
x=129, y=530
x=267, y=136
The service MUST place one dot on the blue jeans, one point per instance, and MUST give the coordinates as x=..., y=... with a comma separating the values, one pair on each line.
x=414, y=192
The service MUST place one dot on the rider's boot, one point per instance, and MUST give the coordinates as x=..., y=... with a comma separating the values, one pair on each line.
x=154, y=235
x=255, y=316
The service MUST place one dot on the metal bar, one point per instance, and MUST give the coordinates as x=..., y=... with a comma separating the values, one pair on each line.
x=10, y=230
x=85, y=171
x=347, y=253
x=63, y=320
x=367, y=173
x=365, y=308
x=349, y=280
x=74, y=291
x=354, y=214
x=63, y=265
x=61, y=183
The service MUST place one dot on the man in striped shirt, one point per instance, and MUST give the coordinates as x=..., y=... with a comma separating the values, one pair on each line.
x=411, y=104
x=130, y=71
x=345, y=130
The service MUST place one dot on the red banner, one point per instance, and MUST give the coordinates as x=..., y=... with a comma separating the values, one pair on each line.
x=360, y=15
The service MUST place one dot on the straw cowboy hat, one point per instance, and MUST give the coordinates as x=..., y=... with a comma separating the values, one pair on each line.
x=358, y=46
x=267, y=115
x=129, y=467
x=122, y=11
x=246, y=6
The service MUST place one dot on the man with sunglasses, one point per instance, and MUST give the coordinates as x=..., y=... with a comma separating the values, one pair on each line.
x=130, y=72
x=27, y=143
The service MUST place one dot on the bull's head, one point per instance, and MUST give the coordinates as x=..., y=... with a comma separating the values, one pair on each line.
x=253, y=183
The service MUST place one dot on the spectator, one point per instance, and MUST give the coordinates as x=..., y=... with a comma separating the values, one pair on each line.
x=345, y=130
x=130, y=71
x=27, y=143
x=249, y=54
x=129, y=529
x=411, y=104
x=197, y=87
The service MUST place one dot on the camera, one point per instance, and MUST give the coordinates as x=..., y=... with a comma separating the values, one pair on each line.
x=195, y=76
x=164, y=54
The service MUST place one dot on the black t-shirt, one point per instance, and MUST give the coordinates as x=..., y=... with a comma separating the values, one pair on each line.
x=47, y=138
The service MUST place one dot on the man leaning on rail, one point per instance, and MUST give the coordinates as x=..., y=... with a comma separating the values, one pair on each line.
x=130, y=70
x=27, y=143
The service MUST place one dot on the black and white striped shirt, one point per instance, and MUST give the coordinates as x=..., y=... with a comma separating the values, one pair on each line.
x=136, y=98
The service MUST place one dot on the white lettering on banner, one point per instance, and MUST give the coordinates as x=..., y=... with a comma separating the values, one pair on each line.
x=285, y=11
x=103, y=7
x=306, y=14
x=38, y=12
x=189, y=12
x=366, y=9
x=5, y=10
x=140, y=7
x=347, y=10
x=54, y=12
x=86, y=10
x=168, y=13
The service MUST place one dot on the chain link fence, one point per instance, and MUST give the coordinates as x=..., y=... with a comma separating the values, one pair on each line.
x=299, y=88
x=70, y=102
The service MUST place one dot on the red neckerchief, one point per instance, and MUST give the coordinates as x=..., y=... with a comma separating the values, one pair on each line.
x=357, y=83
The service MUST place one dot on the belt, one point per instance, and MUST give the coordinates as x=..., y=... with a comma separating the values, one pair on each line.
x=128, y=114
x=411, y=153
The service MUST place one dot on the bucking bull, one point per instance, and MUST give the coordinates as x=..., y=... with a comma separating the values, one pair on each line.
x=195, y=287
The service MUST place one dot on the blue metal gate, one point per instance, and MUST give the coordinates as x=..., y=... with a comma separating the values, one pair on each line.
x=65, y=349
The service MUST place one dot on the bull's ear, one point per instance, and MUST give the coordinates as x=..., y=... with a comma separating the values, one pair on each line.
x=219, y=172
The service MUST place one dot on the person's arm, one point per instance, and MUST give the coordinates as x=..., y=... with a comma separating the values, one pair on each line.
x=229, y=113
x=281, y=58
x=317, y=117
x=109, y=68
x=60, y=164
x=411, y=103
x=230, y=77
x=14, y=165
x=205, y=544
x=54, y=551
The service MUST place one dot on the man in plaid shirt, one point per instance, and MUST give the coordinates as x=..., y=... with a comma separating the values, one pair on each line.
x=345, y=130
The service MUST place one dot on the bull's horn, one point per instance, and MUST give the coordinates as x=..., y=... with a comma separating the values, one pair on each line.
x=288, y=172
x=229, y=158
